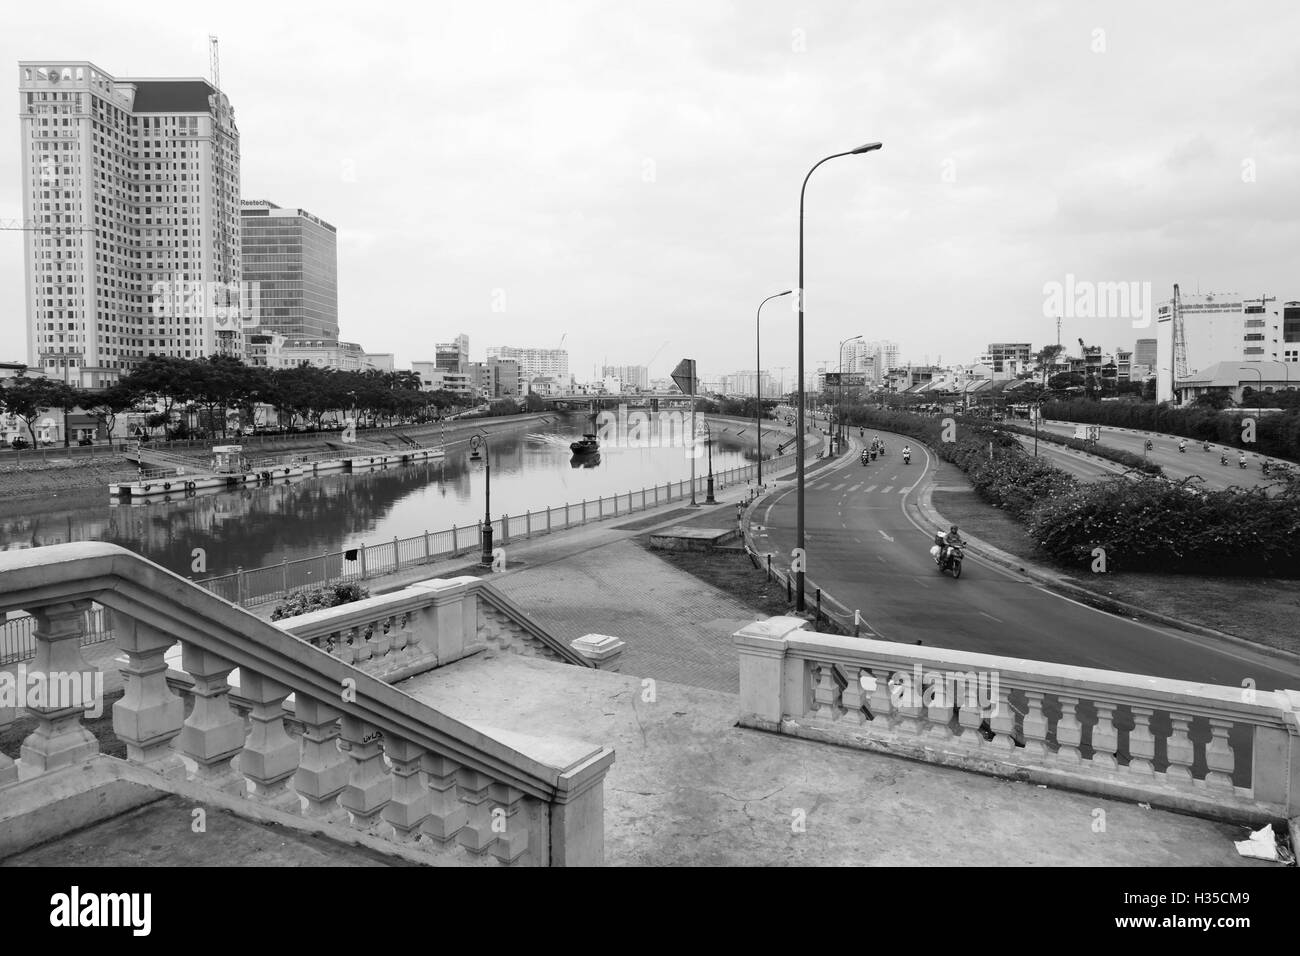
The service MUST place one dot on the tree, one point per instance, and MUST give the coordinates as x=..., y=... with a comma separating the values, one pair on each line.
x=1215, y=400
x=1047, y=357
x=165, y=380
x=107, y=403
x=29, y=398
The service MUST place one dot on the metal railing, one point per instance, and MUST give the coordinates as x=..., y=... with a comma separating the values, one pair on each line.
x=251, y=586
x=18, y=637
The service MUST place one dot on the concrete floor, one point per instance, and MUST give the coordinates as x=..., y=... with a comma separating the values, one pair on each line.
x=688, y=788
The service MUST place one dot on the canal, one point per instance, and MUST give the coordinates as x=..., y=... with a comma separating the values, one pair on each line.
x=531, y=470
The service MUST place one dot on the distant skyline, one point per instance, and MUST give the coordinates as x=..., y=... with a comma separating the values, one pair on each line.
x=625, y=175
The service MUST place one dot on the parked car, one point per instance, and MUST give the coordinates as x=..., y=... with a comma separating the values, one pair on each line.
x=85, y=441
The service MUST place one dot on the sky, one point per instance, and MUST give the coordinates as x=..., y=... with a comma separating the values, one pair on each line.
x=624, y=176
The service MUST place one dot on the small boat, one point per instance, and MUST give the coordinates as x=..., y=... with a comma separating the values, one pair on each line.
x=588, y=445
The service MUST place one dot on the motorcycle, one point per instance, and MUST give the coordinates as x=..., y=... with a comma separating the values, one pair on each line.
x=1150, y=445
x=1241, y=462
x=1223, y=459
x=1182, y=449
x=864, y=458
x=1207, y=446
x=949, y=559
x=907, y=457
x=1264, y=466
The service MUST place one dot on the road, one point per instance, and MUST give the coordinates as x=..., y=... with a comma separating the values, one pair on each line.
x=867, y=550
x=1176, y=464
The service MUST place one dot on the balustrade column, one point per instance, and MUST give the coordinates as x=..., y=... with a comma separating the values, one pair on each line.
x=213, y=733
x=1105, y=738
x=881, y=705
x=907, y=703
x=322, y=769
x=369, y=787
x=1219, y=757
x=447, y=815
x=826, y=692
x=60, y=738
x=411, y=803
x=1035, y=727
x=938, y=708
x=1180, y=749
x=1141, y=743
x=853, y=697
x=1069, y=732
x=1002, y=722
x=476, y=835
x=149, y=716
x=508, y=823
x=270, y=755
x=969, y=719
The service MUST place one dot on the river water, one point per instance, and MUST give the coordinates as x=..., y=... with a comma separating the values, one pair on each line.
x=532, y=469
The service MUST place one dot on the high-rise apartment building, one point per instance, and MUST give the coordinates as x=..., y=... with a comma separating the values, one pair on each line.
x=290, y=258
x=453, y=356
x=131, y=192
x=1144, y=352
x=1019, y=352
x=633, y=377
x=534, y=363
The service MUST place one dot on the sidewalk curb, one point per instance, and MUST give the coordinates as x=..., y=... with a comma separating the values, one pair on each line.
x=1056, y=581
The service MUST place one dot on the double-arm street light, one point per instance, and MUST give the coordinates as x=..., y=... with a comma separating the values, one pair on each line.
x=758, y=381
x=799, y=445
x=839, y=438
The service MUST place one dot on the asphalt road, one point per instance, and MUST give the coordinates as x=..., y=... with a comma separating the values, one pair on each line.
x=1176, y=464
x=865, y=551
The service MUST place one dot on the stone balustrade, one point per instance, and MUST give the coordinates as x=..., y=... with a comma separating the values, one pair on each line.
x=425, y=625
x=366, y=757
x=1227, y=752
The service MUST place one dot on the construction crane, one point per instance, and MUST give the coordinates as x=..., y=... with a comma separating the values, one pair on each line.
x=562, y=338
x=656, y=355
x=214, y=62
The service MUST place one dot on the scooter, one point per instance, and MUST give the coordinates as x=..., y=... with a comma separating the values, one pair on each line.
x=1241, y=462
x=1207, y=446
x=951, y=561
x=1223, y=459
x=1182, y=449
x=1150, y=445
x=907, y=457
x=865, y=459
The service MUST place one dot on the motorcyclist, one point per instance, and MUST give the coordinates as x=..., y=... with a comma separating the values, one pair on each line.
x=1182, y=445
x=1241, y=459
x=947, y=540
x=1150, y=445
x=1223, y=458
x=907, y=454
x=1265, y=466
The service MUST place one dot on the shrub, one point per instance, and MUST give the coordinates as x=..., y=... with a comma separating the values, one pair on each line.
x=313, y=599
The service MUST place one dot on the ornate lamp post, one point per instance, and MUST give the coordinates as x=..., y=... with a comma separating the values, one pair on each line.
x=475, y=441
x=708, y=440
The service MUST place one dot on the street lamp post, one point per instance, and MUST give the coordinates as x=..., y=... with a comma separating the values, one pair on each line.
x=1259, y=396
x=839, y=432
x=799, y=446
x=758, y=380
x=486, y=558
x=708, y=440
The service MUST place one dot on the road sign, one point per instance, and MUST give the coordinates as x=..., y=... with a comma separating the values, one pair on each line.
x=847, y=379
x=684, y=376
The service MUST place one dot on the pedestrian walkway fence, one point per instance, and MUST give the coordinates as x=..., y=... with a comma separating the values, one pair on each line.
x=251, y=586
x=18, y=634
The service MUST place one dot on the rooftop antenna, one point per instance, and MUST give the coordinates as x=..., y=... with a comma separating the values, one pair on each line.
x=214, y=62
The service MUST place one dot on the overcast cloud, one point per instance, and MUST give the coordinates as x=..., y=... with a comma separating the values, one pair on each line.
x=628, y=173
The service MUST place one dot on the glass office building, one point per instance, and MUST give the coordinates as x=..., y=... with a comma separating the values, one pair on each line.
x=292, y=256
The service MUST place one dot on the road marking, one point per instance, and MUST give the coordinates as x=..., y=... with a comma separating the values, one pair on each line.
x=992, y=618
x=856, y=487
x=870, y=488
x=887, y=489
x=839, y=487
x=905, y=489
x=885, y=536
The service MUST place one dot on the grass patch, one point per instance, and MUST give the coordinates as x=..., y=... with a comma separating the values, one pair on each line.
x=12, y=737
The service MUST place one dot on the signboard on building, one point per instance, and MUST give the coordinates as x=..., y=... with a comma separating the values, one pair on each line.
x=847, y=379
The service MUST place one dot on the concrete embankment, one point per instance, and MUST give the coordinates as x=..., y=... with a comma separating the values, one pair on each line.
x=36, y=478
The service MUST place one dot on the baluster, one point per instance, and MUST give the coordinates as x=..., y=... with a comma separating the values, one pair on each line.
x=340, y=647
x=1181, y=750
x=149, y=716
x=403, y=639
x=853, y=697
x=1035, y=727
x=1219, y=759
x=969, y=718
x=361, y=646
x=906, y=699
x=508, y=824
x=213, y=733
x=1141, y=743
x=446, y=813
x=381, y=637
x=411, y=803
x=826, y=694
x=938, y=708
x=322, y=769
x=1069, y=732
x=476, y=835
x=1105, y=738
x=270, y=755
x=880, y=704
x=1002, y=722
x=369, y=787
x=60, y=738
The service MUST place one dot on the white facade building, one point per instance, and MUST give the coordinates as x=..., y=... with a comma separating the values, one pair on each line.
x=533, y=363
x=1217, y=327
x=131, y=193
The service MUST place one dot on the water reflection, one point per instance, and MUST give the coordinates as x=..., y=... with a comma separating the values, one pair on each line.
x=252, y=527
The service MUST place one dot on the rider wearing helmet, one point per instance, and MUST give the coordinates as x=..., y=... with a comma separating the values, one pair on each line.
x=948, y=539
